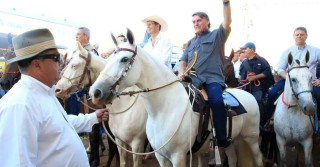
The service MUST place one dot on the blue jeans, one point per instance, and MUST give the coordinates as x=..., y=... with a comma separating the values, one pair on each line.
x=214, y=91
x=258, y=96
x=273, y=95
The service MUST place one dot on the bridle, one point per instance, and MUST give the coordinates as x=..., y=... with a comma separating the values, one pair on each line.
x=296, y=94
x=127, y=68
x=86, y=70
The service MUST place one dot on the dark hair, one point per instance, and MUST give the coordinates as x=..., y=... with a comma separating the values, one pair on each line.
x=23, y=65
x=156, y=23
x=85, y=31
x=203, y=15
x=301, y=28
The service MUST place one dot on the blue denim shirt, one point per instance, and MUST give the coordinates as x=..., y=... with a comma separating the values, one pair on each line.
x=210, y=48
x=299, y=54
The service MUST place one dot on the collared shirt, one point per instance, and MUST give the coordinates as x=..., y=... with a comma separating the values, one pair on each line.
x=36, y=131
x=236, y=67
x=257, y=65
x=299, y=54
x=162, y=49
x=210, y=48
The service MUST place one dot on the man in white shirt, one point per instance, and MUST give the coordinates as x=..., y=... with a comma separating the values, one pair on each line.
x=236, y=62
x=35, y=129
x=158, y=44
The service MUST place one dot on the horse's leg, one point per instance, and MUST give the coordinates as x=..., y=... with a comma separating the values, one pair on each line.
x=94, y=142
x=307, y=148
x=282, y=149
x=103, y=147
x=232, y=156
x=296, y=150
x=137, y=146
x=253, y=143
x=164, y=162
x=113, y=149
x=122, y=153
x=179, y=160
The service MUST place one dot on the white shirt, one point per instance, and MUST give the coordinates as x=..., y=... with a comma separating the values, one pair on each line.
x=236, y=67
x=36, y=131
x=162, y=49
x=299, y=54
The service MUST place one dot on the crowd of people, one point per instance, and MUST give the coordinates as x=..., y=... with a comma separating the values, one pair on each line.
x=40, y=132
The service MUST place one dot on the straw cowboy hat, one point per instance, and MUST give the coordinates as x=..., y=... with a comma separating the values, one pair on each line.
x=31, y=43
x=162, y=22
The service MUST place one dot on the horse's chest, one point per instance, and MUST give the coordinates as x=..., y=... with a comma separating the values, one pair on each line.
x=292, y=127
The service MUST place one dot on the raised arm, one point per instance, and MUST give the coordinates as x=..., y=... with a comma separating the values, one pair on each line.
x=226, y=14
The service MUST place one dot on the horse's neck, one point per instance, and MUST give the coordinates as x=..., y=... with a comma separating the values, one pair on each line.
x=153, y=75
x=97, y=64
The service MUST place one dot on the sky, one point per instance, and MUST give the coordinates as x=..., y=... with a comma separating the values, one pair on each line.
x=267, y=23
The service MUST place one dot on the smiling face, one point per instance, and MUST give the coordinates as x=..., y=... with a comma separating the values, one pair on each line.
x=200, y=24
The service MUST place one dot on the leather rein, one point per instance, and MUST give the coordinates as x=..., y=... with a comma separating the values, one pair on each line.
x=296, y=94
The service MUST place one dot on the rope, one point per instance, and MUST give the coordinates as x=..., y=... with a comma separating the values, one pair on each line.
x=104, y=127
x=247, y=82
x=147, y=89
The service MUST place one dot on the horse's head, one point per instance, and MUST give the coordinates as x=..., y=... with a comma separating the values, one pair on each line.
x=122, y=70
x=76, y=73
x=11, y=74
x=299, y=78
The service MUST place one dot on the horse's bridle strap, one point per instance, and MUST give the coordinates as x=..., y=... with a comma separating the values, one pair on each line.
x=86, y=69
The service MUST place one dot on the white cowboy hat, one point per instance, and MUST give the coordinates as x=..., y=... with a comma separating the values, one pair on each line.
x=162, y=22
x=31, y=43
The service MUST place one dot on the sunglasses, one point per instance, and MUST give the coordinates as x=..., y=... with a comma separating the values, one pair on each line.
x=54, y=57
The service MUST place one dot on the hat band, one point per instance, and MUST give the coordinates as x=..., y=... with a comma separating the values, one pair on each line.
x=34, y=48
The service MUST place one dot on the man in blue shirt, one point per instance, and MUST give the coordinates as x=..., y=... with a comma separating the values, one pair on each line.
x=298, y=52
x=209, y=67
x=256, y=70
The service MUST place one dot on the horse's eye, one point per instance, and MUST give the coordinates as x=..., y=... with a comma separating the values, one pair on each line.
x=125, y=59
x=294, y=80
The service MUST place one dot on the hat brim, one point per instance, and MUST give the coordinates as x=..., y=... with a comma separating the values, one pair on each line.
x=162, y=22
x=16, y=59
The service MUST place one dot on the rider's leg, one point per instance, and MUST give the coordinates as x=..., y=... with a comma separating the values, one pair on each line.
x=273, y=94
x=214, y=91
x=258, y=96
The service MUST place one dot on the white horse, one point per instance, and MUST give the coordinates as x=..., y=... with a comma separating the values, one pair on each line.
x=294, y=106
x=169, y=110
x=124, y=112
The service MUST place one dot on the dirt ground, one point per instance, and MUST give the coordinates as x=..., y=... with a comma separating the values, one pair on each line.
x=153, y=162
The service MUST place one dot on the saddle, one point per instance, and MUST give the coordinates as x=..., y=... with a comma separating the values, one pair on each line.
x=199, y=98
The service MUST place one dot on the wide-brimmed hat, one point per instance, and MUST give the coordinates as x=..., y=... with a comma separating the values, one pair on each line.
x=161, y=21
x=31, y=43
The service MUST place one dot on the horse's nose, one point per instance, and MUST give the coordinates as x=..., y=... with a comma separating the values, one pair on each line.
x=97, y=93
x=309, y=109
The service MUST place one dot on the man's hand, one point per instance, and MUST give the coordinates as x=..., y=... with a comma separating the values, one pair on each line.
x=316, y=82
x=102, y=114
x=251, y=78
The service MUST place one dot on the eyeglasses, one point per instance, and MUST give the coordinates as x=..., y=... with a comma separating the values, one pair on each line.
x=54, y=57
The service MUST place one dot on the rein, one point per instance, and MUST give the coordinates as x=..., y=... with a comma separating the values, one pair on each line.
x=247, y=82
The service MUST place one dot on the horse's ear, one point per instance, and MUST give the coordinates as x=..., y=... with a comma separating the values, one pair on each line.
x=231, y=54
x=81, y=49
x=114, y=39
x=307, y=57
x=290, y=59
x=130, y=36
